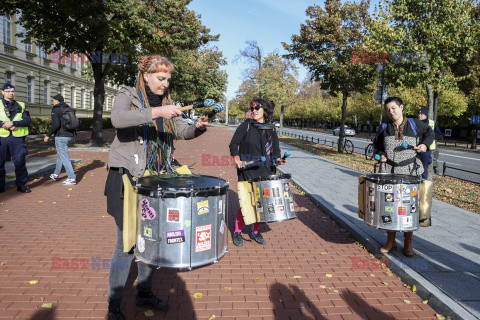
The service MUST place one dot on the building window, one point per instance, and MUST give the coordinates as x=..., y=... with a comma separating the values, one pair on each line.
x=91, y=99
x=9, y=77
x=41, y=52
x=105, y=103
x=72, y=97
x=46, y=92
x=7, y=30
x=113, y=100
x=60, y=89
x=30, y=90
x=28, y=46
x=82, y=98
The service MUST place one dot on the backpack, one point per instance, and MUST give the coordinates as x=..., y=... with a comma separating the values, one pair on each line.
x=68, y=119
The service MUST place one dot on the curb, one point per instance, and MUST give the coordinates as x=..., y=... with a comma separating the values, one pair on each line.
x=437, y=299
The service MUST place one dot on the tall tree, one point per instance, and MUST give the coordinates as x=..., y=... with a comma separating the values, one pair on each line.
x=326, y=45
x=103, y=27
x=427, y=37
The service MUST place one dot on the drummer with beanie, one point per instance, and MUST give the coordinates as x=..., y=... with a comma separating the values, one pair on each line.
x=389, y=145
x=14, y=123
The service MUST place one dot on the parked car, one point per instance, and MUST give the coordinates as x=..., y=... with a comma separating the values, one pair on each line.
x=276, y=124
x=348, y=131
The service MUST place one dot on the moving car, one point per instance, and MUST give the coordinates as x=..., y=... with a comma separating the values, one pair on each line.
x=348, y=131
x=276, y=124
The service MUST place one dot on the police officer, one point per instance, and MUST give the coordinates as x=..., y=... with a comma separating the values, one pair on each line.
x=14, y=122
x=433, y=154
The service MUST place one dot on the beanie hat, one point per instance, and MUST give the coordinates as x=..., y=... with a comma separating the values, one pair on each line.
x=423, y=111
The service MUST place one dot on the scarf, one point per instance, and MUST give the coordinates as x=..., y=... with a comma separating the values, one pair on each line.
x=399, y=129
x=159, y=147
x=266, y=129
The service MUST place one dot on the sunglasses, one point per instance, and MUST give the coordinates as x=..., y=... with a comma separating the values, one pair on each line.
x=255, y=108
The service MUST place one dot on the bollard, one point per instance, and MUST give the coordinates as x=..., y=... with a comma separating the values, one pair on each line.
x=444, y=168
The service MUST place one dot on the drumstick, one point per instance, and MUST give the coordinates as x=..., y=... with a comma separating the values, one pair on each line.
x=216, y=109
x=407, y=146
x=286, y=155
x=202, y=104
x=246, y=164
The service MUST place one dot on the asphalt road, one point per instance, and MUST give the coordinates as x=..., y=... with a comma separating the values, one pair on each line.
x=455, y=160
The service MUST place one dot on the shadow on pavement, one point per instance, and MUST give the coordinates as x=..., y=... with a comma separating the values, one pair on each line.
x=292, y=298
x=363, y=309
x=44, y=314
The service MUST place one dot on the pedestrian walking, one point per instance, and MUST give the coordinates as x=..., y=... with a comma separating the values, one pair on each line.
x=14, y=123
x=63, y=137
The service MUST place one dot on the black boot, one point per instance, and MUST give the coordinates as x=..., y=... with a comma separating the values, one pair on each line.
x=114, y=311
x=148, y=299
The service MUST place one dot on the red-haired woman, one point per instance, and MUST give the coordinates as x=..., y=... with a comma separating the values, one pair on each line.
x=140, y=115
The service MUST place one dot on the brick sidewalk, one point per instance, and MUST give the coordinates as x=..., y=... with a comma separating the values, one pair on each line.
x=287, y=278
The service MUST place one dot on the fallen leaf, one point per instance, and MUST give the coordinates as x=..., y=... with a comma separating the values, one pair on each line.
x=385, y=283
x=297, y=277
x=323, y=253
x=372, y=275
x=70, y=189
x=33, y=281
x=407, y=301
x=424, y=301
x=212, y=317
x=413, y=288
x=258, y=278
x=322, y=286
x=228, y=288
x=335, y=290
x=439, y=316
x=149, y=313
x=328, y=275
x=40, y=201
x=288, y=268
x=68, y=196
x=3, y=263
x=197, y=295
x=47, y=305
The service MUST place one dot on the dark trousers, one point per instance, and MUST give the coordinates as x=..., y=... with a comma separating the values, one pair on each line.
x=426, y=158
x=18, y=150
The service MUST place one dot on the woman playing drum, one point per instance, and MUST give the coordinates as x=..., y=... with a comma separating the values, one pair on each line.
x=138, y=114
x=388, y=144
x=255, y=139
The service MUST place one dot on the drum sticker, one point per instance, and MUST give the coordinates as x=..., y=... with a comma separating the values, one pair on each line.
x=222, y=227
x=413, y=209
x=406, y=201
x=385, y=188
x=414, y=193
x=147, y=232
x=389, y=209
x=202, y=207
x=371, y=191
x=292, y=208
x=140, y=244
x=147, y=212
x=372, y=205
x=220, y=206
x=407, y=222
x=401, y=211
x=203, y=238
x=177, y=236
x=259, y=207
x=291, y=199
x=173, y=215
x=291, y=186
x=286, y=187
x=407, y=191
x=387, y=219
x=280, y=209
x=276, y=193
x=397, y=199
x=188, y=223
x=278, y=201
x=286, y=195
x=401, y=188
x=270, y=208
x=389, y=197
x=257, y=192
x=266, y=193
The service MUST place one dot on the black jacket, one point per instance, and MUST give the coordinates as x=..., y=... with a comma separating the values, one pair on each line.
x=57, y=129
x=248, y=142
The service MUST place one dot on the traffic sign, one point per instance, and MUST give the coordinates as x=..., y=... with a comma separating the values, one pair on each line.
x=475, y=120
x=378, y=95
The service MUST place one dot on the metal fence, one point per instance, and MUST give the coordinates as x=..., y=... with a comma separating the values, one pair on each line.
x=447, y=170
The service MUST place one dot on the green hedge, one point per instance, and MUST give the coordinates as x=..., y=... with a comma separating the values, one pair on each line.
x=41, y=125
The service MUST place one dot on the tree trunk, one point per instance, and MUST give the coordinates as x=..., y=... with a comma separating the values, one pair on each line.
x=282, y=108
x=341, y=139
x=96, y=139
x=430, y=100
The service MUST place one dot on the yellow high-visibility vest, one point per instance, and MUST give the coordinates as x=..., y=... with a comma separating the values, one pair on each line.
x=431, y=123
x=20, y=131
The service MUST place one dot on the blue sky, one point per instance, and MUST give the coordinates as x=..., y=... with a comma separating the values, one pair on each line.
x=269, y=22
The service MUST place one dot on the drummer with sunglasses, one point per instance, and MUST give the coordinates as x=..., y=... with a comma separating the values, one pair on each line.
x=255, y=138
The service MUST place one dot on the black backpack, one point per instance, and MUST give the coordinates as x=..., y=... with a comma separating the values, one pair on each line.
x=68, y=119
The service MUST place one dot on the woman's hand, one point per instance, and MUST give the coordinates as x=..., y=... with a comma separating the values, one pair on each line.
x=383, y=158
x=240, y=164
x=46, y=139
x=281, y=161
x=421, y=148
x=166, y=112
x=201, y=123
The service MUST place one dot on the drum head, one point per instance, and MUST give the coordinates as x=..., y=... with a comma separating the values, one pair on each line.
x=182, y=186
x=272, y=177
x=392, y=178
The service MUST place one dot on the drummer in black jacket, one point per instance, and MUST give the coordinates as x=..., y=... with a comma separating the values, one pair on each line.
x=255, y=138
x=396, y=159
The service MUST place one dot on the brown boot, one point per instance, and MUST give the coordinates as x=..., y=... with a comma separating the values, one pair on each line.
x=407, y=246
x=391, y=243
